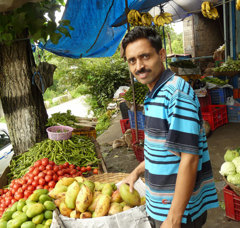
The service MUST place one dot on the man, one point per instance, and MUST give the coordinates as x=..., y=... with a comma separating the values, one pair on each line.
x=178, y=175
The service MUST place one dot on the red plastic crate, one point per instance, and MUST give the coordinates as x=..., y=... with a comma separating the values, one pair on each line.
x=232, y=203
x=140, y=135
x=216, y=115
x=139, y=152
x=204, y=101
x=125, y=125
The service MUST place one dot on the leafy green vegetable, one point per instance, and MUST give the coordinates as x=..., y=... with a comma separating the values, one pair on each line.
x=227, y=168
x=230, y=155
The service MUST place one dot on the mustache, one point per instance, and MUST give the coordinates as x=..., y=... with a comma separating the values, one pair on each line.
x=143, y=70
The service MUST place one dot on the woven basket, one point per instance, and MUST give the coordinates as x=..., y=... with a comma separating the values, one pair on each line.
x=226, y=73
x=59, y=132
x=232, y=186
x=109, y=177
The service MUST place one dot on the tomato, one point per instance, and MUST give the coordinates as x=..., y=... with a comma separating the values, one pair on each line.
x=36, y=178
x=60, y=173
x=50, y=172
x=5, y=190
x=42, y=181
x=36, y=171
x=78, y=168
x=83, y=169
x=18, y=196
x=31, y=176
x=42, y=174
x=45, y=161
x=49, y=167
x=27, y=193
x=48, y=178
x=13, y=201
x=46, y=187
x=7, y=201
x=66, y=165
x=31, y=188
x=89, y=168
x=73, y=171
x=52, y=163
x=60, y=177
x=79, y=173
x=51, y=184
x=44, y=171
x=24, y=187
x=20, y=190
x=38, y=163
x=30, y=180
x=41, y=167
x=72, y=166
x=55, y=177
x=40, y=187
x=60, y=167
x=22, y=181
x=16, y=186
x=31, y=169
x=9, y=193
x=35, y=183
x=95, y=171
x=55, y=168
x=1, y=191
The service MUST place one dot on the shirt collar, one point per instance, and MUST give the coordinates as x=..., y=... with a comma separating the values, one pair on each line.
x=164, y=77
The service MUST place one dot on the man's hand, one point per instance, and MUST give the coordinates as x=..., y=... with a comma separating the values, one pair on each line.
x=134, y=175
x=169, y=224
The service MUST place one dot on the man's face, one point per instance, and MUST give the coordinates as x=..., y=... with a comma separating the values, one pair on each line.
x=144, y=62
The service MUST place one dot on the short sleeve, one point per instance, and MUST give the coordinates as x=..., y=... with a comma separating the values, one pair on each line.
x=184, y=124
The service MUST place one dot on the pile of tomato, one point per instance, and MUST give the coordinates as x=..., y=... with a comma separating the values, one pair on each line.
x=44, y=174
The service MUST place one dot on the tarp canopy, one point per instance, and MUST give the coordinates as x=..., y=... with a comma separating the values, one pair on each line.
x=99, y=25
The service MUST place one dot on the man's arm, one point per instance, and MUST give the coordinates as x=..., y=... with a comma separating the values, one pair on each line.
x=134, y=175
x=185, y=183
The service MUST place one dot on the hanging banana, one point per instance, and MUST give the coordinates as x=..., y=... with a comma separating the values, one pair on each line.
x=209, y=11
x=238, y=5
x=162, y=19
x=135, y=18
x=146, y=19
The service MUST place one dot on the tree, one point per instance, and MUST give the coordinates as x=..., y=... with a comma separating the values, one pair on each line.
x=22, y=102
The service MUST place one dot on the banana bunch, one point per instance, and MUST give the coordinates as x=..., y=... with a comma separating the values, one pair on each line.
x=146, y=19
x=238, y=5
x=134, y=18
x=209, y=11
x=162, y=19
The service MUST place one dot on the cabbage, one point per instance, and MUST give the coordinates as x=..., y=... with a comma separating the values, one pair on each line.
x=230, y=155
x=234, y=179
x=236, y=162
x=227, y=168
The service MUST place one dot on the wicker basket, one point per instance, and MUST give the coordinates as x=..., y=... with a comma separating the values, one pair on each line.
x=232, y=186
x=226, y=73
x=109, y=177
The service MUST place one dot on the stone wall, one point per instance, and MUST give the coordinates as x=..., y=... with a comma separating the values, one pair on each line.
x=201, y=36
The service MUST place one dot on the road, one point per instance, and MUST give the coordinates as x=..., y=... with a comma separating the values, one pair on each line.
x=77, y=106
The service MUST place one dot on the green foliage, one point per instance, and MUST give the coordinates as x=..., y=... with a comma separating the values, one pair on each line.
x=2, y=120
x=35, y=21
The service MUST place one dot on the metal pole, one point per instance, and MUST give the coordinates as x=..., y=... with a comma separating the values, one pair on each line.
x=132, y=82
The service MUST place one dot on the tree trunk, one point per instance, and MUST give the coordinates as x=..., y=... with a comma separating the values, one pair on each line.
x=170, y=43
x=22, y=102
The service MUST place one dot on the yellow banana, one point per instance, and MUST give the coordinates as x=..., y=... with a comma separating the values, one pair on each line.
x=160, y=20
x=208, y=7
x=214, y=12
x=203, y=6
x=155, y=20
x=137, y=16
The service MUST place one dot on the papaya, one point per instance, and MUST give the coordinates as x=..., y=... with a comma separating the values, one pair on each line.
x=48, y=222
x=116, y=197
x=58, y=189
x=86, y=214
x=36, y=194
x=114, y=186
x=93, y=205
x=98, y=186
x=131, y=198
x=143, y=200
x=14, y=207
x=90, y=184
x=115, y=208
x=49, y=205
x=43, y=198
x=7, y=215
x=34, y=209
x=3, y=224
x=38, y=219
x=64, y=210
x=48, y=214
x=102, y=206
x=107, y=189
x=28, y=224
x=65, y=181
x=75, y=214
x=84, y=198
x=80, y=179
x=71, y=195
x=39, y=226
x=126, y=207
x=20, y=205
x=18, y=221
x=17, y=213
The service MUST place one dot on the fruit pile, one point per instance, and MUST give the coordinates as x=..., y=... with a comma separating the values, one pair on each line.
x=36, y=211
x=228, y=66
x=209, y=11
x=44, y=174
x=140, y=93
x=163, y=19
x=81, y=198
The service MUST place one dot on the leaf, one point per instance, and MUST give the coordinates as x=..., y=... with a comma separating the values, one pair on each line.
x=54, y=37
x=63, y=30
x=64, y=22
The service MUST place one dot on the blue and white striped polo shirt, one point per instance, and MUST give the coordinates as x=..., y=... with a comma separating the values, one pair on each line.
x=173, y=125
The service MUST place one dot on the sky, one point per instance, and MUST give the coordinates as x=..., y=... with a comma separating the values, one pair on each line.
x=178, y=27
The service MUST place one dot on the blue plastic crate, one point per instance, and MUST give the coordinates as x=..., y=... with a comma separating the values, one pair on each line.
x=233, y=113
x=140, y=119
x=219, y=96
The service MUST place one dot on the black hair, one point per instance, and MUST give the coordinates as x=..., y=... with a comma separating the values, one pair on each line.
x=141, y=32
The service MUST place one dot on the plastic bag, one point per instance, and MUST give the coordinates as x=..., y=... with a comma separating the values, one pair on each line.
x=121, y=89
x=230, y=101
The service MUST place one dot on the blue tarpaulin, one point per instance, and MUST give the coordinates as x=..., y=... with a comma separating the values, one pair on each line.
x=93, y=20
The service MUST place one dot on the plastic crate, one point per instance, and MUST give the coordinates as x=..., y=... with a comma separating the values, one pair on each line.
x=233, y=113
x=138, y=151
x=219, y=96
x=204, y=101
x=216, y=115
x=140, y=135
x=140, y=119
x=232, y=203
x=125, y=125
x=59, y=133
